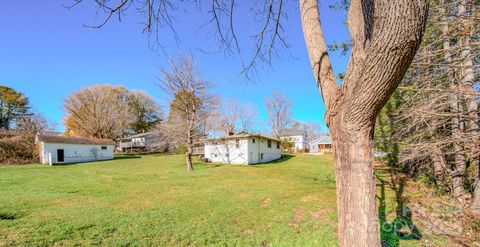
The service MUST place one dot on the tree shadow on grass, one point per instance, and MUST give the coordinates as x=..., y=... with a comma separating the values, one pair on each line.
x=402, y=227
x=282, y=159
x=127, y=157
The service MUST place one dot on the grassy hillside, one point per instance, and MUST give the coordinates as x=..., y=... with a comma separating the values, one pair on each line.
x=152, y=200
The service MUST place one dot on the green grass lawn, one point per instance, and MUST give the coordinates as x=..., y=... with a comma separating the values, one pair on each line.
x=153, y=200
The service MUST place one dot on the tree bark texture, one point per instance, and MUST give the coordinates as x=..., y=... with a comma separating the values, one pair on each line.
x=385, y=36
x=468, y=82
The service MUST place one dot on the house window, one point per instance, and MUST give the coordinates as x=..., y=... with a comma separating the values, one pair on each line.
x=261, y=156
x=253, y=140
x=278, y=145
x=269, y=143
x=104, y=147
x=237, y=143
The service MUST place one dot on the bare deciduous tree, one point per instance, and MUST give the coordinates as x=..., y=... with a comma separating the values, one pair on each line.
x=230, y=114
x=314, y=131
x=233, y=117
x=279, y=109
x=98, y=111
x=248, y=113
x=33, y=124
x=436, y=122
x=190, y=104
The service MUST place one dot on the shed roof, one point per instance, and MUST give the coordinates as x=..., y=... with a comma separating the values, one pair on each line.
x=324, y=139
x=73, y=140
x=293, y=132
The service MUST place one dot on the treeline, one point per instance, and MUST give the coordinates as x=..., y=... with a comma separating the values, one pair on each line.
x=18, y=127
x=430, y=127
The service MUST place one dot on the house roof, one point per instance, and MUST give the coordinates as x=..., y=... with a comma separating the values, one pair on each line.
x=244, y=135
x=73, y=140
x=324, y=139
x=293, y=132
x=136, y=136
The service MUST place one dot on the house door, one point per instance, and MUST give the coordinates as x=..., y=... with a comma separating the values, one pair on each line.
x=321, y=148
x=60, y=155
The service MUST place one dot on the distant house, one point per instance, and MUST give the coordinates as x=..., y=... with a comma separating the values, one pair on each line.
x=243, y=149
x=323, y=144
x=147, y=141
x=56, y=149
x=298, y=137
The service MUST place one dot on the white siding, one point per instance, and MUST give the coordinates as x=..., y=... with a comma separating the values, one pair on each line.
x=269, y=154
x=227, y=152
x=299, y=141
x=75, y=153
x=248, y=152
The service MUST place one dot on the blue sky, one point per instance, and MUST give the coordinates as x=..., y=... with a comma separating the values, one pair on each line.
x=47, y=53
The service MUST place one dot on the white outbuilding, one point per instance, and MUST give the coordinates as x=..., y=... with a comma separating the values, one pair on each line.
x=56, y=149
x=243, y=149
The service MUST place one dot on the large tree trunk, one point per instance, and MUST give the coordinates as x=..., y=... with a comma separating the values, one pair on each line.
x=188, y=157
x=385, y=36
x=459, y=164
x=440, y=167
x=468, y=83
x=357, y=210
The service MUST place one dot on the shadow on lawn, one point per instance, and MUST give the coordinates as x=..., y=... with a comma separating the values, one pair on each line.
x=282, y=159
x=127, y=157
x=402, y=227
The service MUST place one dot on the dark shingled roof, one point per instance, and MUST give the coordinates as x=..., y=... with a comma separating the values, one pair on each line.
x=293, y=132
x=73, y=140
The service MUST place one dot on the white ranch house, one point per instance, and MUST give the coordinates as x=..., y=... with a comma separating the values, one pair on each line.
x=56, y=149
x=296, y=136
x=243, y=149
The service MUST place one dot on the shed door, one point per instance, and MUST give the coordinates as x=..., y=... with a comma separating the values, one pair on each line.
x=60, y=155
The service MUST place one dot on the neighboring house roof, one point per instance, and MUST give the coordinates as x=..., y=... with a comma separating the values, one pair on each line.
x=243, y=135
x=136, y=136
x=73, y=140
x=52, y=133
x=293, y=132
x=325, y=139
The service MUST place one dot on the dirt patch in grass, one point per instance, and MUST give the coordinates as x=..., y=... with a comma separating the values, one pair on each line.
x=320, y=215
x=298, y=217
x=266, y=202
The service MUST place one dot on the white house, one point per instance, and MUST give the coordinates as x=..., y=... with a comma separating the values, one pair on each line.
x=244, y=149
x=323, y=144
x=296, y=136
x=55, y=149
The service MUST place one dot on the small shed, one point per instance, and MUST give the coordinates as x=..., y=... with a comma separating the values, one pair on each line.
x=243, y=149
x=55, y=149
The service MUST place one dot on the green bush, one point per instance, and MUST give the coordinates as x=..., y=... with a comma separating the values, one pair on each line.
x=182, y=149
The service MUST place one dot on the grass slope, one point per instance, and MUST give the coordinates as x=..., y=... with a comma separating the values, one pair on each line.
x=153, y=201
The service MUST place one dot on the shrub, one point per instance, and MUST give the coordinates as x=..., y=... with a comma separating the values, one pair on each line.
x=17, y=148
